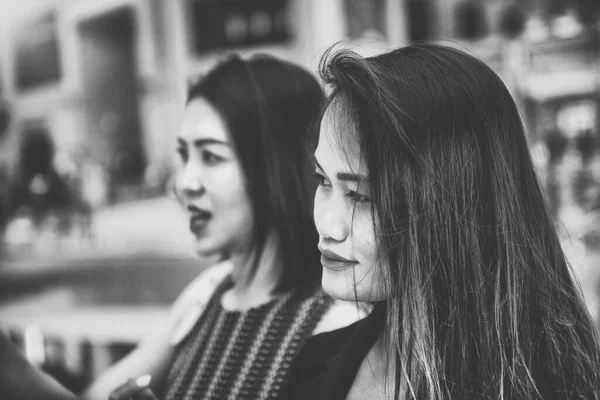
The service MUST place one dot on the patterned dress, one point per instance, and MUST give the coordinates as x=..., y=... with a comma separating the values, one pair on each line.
x=244, y=354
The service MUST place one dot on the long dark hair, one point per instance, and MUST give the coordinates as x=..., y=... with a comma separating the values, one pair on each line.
x=269, y=106
x=482, y=301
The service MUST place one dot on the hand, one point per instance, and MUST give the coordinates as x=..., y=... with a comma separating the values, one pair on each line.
x=134, y=389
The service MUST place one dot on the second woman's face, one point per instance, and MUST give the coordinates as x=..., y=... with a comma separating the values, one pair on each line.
x=343, y=216
x=211, y=184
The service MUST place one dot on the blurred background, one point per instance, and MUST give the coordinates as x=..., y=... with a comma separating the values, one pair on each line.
x=93, y=248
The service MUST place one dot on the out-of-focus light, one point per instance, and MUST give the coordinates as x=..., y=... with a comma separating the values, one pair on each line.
x=535, y=29
x=20, y=232
x=143, y=380
x=39, y=185
x=577, y=118
x=539, y=156
x=64, y=164
x=236, y=27
x=34, y=345
x=260, y=24
x=566, y=26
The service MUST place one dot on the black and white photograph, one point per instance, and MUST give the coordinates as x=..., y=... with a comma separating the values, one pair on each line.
x=299, y=199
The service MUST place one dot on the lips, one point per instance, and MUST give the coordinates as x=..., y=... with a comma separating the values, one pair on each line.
x=334, y=262
x=199, y=219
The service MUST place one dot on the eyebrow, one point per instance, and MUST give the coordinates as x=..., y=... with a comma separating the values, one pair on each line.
x=345, y=176
x=202, y=142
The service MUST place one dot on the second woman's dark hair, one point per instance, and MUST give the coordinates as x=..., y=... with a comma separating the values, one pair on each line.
x=269, y=106
x=482, y=303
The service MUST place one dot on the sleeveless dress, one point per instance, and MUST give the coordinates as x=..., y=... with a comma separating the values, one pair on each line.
x=244, y=354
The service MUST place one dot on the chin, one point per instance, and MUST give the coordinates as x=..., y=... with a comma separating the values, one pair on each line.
x=336, y=285
x=205, y=248
x=339, y=285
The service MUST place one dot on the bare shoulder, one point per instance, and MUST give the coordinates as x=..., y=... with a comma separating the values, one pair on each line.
x=342, y=314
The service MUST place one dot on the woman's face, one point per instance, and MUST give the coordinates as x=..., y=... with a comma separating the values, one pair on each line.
x=343, y=215
x=211, y=184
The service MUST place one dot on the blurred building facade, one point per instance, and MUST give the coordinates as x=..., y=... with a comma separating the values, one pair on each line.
x=107, y=79
x=104, y=81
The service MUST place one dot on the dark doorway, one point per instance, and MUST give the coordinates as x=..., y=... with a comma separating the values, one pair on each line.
x=111, y=95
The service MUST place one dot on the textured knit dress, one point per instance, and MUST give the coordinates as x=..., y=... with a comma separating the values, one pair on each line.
x=244, y=354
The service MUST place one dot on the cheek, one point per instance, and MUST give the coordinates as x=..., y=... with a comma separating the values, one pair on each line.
x=363, y=237
x=371, y=277
x=229, y=196
x=176, y=186
x=318, y=208
x=226, y=185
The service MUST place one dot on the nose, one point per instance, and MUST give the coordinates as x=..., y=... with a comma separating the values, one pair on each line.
x=190, y=182
x=332, y=220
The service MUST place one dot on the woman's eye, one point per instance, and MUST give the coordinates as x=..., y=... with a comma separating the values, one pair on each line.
x=183, y=154
x=322, y=181
x=357, y=197
x=211, y=158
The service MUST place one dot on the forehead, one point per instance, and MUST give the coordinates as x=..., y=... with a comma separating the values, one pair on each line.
x=202, y=121
x=338, y=140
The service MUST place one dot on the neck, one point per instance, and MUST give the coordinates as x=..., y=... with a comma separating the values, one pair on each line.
x=383, y=374
x=267, y=273
x=378, y=357
x=372, y=379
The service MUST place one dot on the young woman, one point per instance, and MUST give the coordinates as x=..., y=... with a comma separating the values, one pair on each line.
x=429, y=207
x=236, y=331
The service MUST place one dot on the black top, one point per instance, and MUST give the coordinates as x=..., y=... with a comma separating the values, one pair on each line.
x=327, y=365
